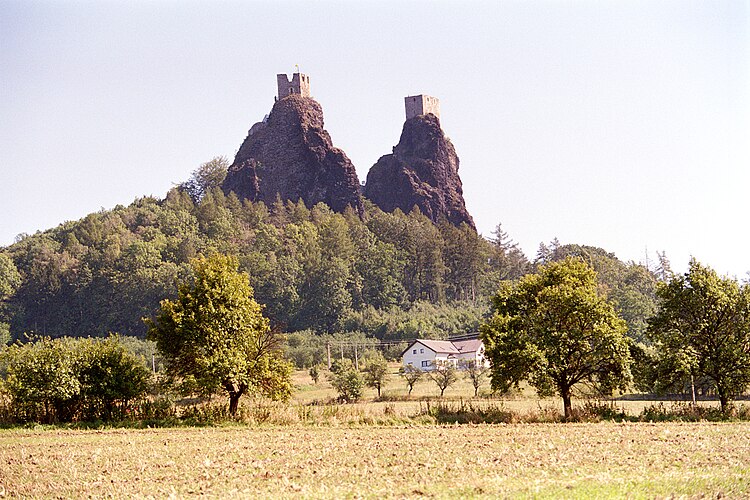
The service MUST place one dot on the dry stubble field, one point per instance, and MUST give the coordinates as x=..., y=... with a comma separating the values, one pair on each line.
x=522, y=460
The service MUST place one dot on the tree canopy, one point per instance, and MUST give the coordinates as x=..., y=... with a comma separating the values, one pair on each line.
x=215, y=332
x=702, y=328
x=555, y=330
x=389, y=275
x=68, y=379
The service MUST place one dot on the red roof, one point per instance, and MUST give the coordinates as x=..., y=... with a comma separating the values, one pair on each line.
x=448, y=347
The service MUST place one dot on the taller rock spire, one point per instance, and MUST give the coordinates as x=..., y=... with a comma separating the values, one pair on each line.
x=289, y=154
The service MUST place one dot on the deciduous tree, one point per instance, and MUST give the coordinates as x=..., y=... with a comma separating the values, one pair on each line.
x=702, y=328
x=411, y=375
x=444, y=376
x=215, y=332
x=555, y=330
x=346, y=380
x=208, y=176
x=376, y=370
x=476, y=373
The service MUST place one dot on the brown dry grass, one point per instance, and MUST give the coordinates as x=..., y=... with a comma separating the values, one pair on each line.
x=532, y=460
x=523, y=403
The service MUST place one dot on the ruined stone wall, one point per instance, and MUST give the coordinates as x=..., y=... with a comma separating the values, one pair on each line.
x=300, y=84
x=421, y=105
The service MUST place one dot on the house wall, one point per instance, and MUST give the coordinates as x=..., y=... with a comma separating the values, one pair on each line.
x=423, y=354
x=426, y=355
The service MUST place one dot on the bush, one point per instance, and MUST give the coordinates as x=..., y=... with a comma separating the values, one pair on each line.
x=682, y=412
x=71, y=379
x=596, y=411
x=346, y=380
x=469, y=413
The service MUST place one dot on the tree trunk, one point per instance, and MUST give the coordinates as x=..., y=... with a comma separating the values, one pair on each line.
x=235, y=393
x=565, y=393
x=234, y=402
x=723, y=398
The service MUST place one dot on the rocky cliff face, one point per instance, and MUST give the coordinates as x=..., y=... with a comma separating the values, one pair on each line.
x=292, y=156
x=422, y=171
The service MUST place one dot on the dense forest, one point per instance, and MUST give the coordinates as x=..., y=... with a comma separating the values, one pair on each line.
x=386, y=275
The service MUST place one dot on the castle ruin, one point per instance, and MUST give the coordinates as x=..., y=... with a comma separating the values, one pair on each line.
x=421, y=105
x=300, y=84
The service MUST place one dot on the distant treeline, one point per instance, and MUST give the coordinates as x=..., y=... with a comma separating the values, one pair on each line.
x=387, y=275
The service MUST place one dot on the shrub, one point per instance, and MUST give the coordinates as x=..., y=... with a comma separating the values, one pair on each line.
x=72, y=379
x=346, y=380
x=469, y=413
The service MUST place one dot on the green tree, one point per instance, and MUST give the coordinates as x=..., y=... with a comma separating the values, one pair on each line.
x=206, y=177
x=376, y=370
x=465, y=255
x=346, y=380
x=702, y=329
x=555, y=330
x=10, y=279
x=476, y=373
x=314, y=373
x=110, y=376
x=41, y=379
x=411, y=375
x=444, y=376
x=215, y=332
x=505, y=261
x=66, y=378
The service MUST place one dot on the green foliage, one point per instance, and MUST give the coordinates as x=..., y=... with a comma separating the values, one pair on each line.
x=376, y=370
x=314, y=373
x=307, y=348
x=422, y=319
x=629, y=287
x=312, y=268
x=215, y=333
x=702, y=329
x=556, y=331
x=389, y=275
x=477, y=373
x=444, y=376
x=346, y=380
x=411, y=375
x=5, y=336
x=10, y=278
x=208, y=176
x=72, y=379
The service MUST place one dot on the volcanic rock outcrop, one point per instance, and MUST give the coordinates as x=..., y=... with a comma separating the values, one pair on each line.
x=290, y=155
x=422, y=171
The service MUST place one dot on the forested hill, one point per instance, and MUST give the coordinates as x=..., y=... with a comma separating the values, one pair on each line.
x=312, y=268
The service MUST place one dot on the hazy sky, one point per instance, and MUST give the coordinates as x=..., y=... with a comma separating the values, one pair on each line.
x=624, y=125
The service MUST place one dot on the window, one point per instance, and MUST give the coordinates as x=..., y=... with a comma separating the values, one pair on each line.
x=425, y=364
x=414, y=351
x=421, y=351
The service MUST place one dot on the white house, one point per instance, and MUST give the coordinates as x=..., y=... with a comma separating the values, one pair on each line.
x=427, y=354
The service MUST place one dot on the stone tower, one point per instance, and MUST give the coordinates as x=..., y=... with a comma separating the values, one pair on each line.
x=419, y=105
x=300, y=84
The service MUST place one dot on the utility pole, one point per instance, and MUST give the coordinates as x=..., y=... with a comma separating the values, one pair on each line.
x=328, y=350
x=356, y=357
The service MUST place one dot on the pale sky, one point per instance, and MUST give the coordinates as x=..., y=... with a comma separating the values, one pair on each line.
x=624, y=125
